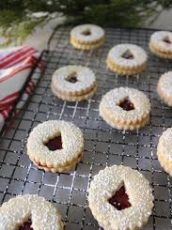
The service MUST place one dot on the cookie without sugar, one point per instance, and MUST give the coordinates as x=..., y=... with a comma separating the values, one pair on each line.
x=55, y=145
x=120, y=198
x=164, y=88
x=73, y=83
x=87, y=37
x=161, y=44
x=29, y=212
x=125, y=108
x=126, y=59
x=164, y=151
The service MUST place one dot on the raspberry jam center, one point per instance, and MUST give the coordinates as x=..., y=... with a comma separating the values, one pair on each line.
x=72, y=78
x=127, y=55
x=55, y=143
x=86, y=32
x=126, y=105
x=120, y=200
x=167, y=40
x=26, y=226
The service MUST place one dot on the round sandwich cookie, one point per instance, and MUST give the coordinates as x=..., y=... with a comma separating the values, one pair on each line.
x=161, y=44
x=125, y=108
x=164, y=151
x=87, y=37
x=29, y=212
x=126, y=59
x=55, y=145
x=120, y=198
x=73, y=83
x=164, y=88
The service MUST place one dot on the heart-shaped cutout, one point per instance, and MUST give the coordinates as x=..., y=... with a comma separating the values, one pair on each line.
x=26, y=225
x=54, y=143
x=86, y=32
x=72, y=78
x=120, y=199
x=167, y=40
x=127, y=105
x=127, y=55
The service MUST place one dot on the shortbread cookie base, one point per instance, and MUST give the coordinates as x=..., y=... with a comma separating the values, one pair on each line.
x=86, y=45
x=104, y=185
x=79, y=93
x=125, y=70
x=62, y=168
x=123, y=124
x=164, y=151
x=92, y=42
x=19, y=209
x=66, y=97
x=158, y=52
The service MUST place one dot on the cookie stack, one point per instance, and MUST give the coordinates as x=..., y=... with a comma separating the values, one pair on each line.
x=55, y=146
x=127, y=59
x=87, y=37
x=161, y=44
x=125, y=108
x=73, y=83
x=120, y=198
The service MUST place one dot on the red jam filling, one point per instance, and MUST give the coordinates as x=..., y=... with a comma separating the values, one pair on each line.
x=26, y=226
x=55, y=143
x=167, y=40
x=127, y=55
x=126, y=105
x=86, y=32
x=120, y=200
x=72, y=78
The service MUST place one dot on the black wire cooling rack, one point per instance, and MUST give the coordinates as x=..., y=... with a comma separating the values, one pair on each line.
x=104, y=146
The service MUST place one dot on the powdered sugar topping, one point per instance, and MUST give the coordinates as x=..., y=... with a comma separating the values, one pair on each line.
x=95, y=33
x=158, y=39
x=85, y=78
x=19, y=209
x=140, y=101
x=116, y=55
x=165, y=144
x=106, y=183
x=165, y=83
x=72, y=142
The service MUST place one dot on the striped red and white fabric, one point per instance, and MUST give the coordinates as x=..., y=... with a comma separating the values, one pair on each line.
x=15, y=66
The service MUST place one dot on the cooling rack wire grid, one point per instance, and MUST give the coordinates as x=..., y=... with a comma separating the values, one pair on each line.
x=104, y=146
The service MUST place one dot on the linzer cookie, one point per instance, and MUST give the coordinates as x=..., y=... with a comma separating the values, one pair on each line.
x=125, y=108
x=29, y=212
x=87, y=37
x=120, y=198
x=164, y=88
x=164, y=152
x=73, y=83
x=126, y=59
x=161, y=44
x=55, y=146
